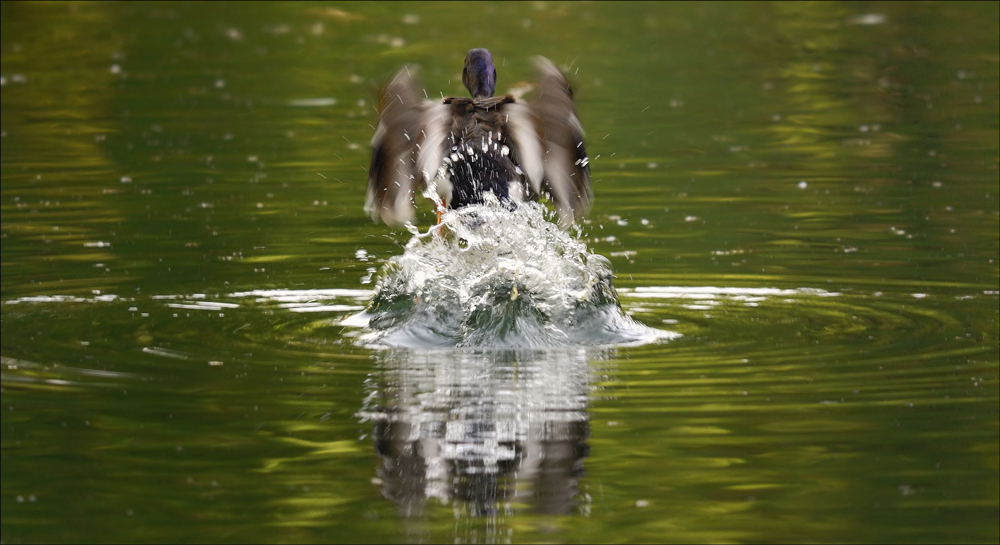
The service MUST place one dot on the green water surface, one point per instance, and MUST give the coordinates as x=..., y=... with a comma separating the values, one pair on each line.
x=808, y=193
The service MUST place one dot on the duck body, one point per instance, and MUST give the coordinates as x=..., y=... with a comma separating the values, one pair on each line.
x=479, y=160
x=467, y=147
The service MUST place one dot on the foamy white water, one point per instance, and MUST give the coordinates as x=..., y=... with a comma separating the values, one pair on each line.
x=499, y=278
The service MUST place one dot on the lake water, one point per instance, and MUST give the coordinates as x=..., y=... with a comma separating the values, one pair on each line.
x=799, y=204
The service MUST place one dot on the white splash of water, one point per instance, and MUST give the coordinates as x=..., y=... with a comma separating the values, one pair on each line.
x=497, y=277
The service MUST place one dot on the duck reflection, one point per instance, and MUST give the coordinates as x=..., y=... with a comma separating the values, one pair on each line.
x=490, y=432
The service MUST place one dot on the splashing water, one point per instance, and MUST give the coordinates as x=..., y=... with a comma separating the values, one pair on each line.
x=492, y=277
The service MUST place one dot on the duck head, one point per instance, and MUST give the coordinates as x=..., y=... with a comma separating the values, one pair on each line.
x=479, y=75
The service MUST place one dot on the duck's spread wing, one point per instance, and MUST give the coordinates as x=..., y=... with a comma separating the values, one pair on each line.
x=406, y=149
x=565, y=162
x=527, y=148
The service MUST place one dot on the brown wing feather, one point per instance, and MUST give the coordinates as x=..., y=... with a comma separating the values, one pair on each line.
x=567, y=170
x=393, y=176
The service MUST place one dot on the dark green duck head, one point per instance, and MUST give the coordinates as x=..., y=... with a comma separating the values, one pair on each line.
x=479, y=74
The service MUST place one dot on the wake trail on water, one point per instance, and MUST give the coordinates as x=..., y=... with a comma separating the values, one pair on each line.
x=495, y=277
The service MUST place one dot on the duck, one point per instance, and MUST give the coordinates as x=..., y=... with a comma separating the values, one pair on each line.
x=462, y=148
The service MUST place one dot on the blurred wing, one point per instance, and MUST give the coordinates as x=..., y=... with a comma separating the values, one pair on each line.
x=395, y=172
x=526, y=146
x=433, y=139
x=567, y=170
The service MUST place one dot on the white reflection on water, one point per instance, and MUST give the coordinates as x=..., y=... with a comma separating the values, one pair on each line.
x=709, y=292
x=312, y=300
x=107, y=298
x=19, y=372
x=487, y=432
x=298, y=296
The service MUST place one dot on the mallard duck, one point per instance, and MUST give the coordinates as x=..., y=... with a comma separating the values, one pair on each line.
x=466, y=147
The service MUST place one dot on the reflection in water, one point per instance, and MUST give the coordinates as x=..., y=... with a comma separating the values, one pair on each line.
x=490, y=432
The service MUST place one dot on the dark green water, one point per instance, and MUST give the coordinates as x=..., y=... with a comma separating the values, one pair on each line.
x=806, y=192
